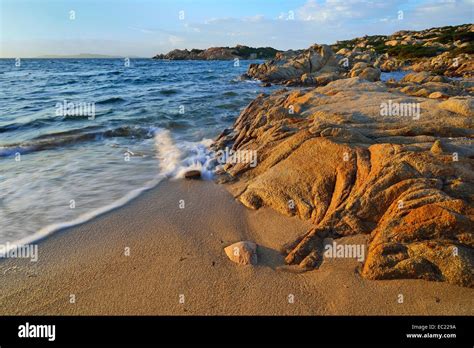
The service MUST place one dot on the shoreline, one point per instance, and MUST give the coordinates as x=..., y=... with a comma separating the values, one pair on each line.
x=174, y=252
x=47, y=231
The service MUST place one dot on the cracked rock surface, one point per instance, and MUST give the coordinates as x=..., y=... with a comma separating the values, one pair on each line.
x=328, y=155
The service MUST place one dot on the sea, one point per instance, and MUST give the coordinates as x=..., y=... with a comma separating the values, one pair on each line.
x=80, y=137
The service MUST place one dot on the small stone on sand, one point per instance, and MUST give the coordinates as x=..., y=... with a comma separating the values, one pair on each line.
x=192, y=174
x=244, y=253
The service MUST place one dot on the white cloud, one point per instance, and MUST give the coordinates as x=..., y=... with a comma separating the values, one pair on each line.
x=175, y=40
x=142, y=30
x=335, y=11
x=440, y=13
x=323, y=22
x=315, y=22
x=256, y=18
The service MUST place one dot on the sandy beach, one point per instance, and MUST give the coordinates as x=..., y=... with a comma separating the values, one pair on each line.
x=150, y=256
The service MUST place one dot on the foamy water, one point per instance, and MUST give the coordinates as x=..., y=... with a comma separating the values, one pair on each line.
x=152, y=120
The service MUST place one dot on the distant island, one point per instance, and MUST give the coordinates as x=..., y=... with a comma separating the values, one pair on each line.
x=81, y=56
x=220, y=53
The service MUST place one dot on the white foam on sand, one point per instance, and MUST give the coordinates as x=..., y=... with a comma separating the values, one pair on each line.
x=178, y=158
x=174, y=161
x=50, y=229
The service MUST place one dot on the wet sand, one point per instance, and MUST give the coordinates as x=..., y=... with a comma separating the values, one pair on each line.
x=152, y=257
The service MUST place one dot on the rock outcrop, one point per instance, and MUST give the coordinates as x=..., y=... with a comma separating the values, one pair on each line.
x=366, y=72
x=427, y=85
x=220, y=53
x=446, y=51
x=448, y=64
x=359, y=157
x=296, y=68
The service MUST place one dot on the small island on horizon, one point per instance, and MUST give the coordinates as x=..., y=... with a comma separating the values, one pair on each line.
x=220, y=53
x=83, y=56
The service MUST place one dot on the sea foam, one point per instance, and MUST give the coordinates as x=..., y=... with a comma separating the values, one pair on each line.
x=176, y=158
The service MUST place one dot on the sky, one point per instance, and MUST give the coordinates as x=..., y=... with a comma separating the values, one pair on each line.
x=130, y=28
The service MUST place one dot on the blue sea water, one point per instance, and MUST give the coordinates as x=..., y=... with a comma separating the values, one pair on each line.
x=396, y=75
x=150, y=120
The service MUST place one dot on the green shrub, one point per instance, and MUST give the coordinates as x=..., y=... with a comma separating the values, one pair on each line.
x=260, y=52
x=413, y=51
x=451, y=36
x=460, y=50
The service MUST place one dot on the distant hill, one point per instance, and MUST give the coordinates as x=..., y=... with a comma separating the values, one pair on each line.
x=83, y=56
x=220, y=53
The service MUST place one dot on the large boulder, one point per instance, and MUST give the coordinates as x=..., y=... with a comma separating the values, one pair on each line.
x=318, y=59
x=392, y=43
x=365, y=72
x=386, y=63
x=423, y=77
x=331, y=156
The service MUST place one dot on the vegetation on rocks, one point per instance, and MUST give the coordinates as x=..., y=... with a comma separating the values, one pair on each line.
x=220, y=53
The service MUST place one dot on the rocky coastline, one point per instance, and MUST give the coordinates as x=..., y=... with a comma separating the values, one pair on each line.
x=354, y=155
x=447, y=51
x=220, y=53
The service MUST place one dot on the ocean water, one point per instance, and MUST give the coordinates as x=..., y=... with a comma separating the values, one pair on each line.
x=396, y=75
x=79, y=137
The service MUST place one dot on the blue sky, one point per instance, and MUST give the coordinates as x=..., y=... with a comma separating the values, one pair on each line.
x=30, y=28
